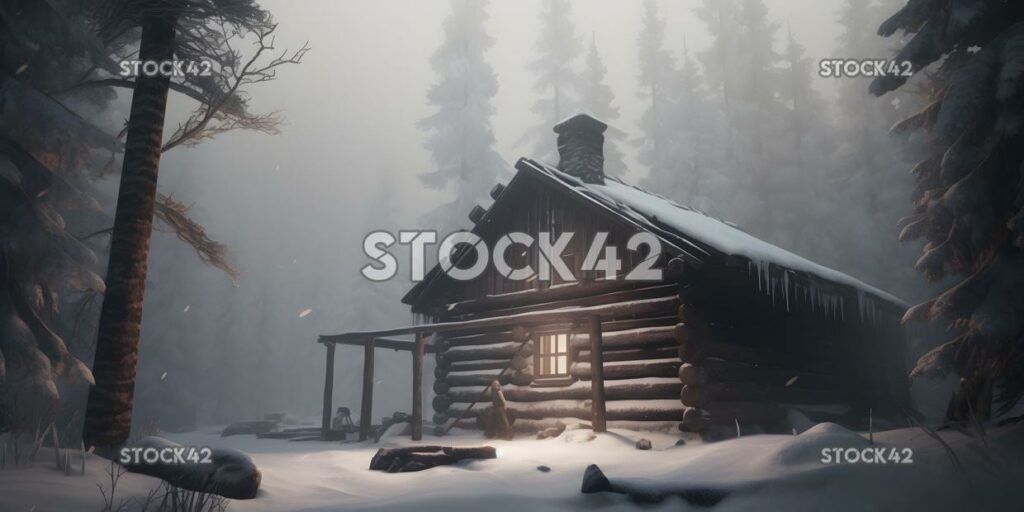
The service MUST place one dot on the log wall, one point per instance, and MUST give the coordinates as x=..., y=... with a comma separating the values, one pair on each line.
x=641, y=365
x=717, y=351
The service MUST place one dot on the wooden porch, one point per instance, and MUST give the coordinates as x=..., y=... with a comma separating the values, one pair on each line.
x=576, y=317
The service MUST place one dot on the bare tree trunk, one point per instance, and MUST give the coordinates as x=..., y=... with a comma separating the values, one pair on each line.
x=108, y=416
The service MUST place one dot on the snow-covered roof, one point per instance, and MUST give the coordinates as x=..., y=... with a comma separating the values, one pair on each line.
x=658, y=213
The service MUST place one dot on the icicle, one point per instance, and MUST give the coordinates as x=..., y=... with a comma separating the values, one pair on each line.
x=785, y=287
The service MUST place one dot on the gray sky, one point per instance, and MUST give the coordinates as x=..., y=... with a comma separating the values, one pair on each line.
x=351, y=107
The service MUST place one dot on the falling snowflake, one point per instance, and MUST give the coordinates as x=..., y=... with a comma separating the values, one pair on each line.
x=305, y=312
x=164, y=376
x=186, y=309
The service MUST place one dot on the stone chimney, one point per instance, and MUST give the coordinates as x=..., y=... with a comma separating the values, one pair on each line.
x=581, y=148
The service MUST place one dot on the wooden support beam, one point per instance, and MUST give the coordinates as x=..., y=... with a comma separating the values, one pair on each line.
x=366, y=409
x=417, y=387
x=597, y=376
x=620, y=310
x=393, y=344
x=325, y=425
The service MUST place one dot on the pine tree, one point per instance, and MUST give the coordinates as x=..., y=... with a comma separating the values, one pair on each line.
x=46, y=265
x=804, y=150
x=558, y=80
x=969, y=202
x=658, y=81
x=598, y=100
x=719, y=65
x=460, y=140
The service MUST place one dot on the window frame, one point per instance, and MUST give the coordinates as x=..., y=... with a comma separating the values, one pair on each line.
x=540, y=355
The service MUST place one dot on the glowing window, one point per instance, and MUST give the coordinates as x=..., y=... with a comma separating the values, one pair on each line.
x=553, y=356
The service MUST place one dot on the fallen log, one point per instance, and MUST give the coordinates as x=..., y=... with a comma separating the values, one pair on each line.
x=629, y=369
x=419, y=458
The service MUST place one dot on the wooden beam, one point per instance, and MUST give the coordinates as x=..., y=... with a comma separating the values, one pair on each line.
x=535, y=296
x=366, y=409
x=622, y=295
x=325, y=424
x=597, y=376
x=417, y=387
x=392, y=344
x=619, y=310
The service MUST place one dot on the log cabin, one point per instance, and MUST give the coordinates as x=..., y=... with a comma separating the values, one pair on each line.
x=733, y=333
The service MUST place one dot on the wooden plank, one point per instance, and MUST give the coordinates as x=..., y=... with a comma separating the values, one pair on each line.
x=629, y=294
x=366, y=409
x=417, y=387
x=537, y=296
x=325, y=424
x=597, y=376
x=619, y=310
x=643, y=338
x=392, y=344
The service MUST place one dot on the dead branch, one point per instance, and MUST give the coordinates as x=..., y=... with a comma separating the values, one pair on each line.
x=211, y=252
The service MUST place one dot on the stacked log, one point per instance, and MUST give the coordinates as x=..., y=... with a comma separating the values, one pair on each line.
x=639, y=347
x=741, y=370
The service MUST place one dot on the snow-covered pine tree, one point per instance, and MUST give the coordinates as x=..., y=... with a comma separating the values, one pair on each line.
x=557, y=76
x=969, y=202
x=598, y=100
x=460, y=137
x=658, y=80
x=47, y=267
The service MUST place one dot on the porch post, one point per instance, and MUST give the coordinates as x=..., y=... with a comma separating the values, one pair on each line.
x=597, y=376
x=366, y=409
x=417, y=387
x=325, y=425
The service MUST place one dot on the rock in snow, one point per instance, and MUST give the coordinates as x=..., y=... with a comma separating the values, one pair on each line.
x=230, y=473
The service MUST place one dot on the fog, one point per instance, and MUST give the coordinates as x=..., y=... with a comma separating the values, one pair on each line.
x=294, y=207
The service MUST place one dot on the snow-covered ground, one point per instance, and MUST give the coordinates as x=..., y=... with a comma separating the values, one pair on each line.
x=763, y=472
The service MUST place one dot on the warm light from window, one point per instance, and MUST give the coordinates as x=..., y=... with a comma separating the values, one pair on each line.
x=553, y=356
